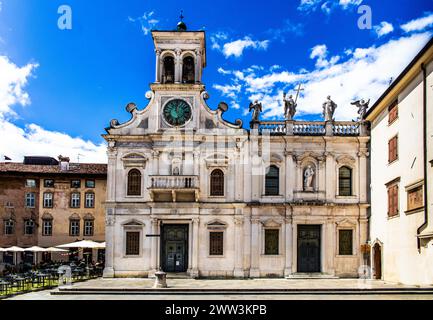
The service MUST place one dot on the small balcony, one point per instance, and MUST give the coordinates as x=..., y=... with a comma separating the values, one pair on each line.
x=174, y=188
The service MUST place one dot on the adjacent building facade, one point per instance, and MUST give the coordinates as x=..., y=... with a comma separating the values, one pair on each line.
x=46, y=202
x=401, y=220
x=188, y=191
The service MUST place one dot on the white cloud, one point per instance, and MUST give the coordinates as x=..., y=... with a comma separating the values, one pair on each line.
x=216, y=39
x=364, y=73
x=383, y=28
x=17, y=142
x=320, y=52
x=146, y=22
x=13, y=79
x=327, y=5
x=228, y=90
x=236, y=48
x=347, y=3
x=418, y=24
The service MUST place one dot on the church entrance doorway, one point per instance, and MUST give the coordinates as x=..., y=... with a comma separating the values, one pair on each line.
x=377, y=256
x=309, y=248
x=174, y=247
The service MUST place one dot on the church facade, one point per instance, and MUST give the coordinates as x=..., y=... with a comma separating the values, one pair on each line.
x=191, y=192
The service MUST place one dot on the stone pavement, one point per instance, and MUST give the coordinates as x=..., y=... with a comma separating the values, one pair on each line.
x=251, y=289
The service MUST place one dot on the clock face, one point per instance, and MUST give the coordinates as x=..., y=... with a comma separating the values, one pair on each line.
x=177, y=112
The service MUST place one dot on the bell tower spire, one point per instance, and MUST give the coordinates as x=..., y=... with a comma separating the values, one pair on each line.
x=181, y=26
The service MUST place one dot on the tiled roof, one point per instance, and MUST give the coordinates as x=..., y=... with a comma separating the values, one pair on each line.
x=74, y=168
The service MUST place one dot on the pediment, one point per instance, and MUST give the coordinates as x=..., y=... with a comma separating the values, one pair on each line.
x=271, y=223
x=216, y=225
x=345, y=159
x=134, y=160
x=133, y=223
x=217, y=160
x=345, y=223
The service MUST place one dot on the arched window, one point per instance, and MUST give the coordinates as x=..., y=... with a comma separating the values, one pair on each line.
x=217, y=183
x=168, y=76
x=188, y=70
x=272, y=181
x=345, y=181
x=134, y=183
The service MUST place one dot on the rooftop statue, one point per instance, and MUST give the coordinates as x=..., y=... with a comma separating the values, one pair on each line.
x=289, y=107
x=257, y=108
x=362, y=106
x=329, y=107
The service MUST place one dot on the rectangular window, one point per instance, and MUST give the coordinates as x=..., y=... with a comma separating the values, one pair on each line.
x=29, y=227
x=30, y=183
x=393, y=149
x=393, y=200
x=9, y=227
x=49, y=183
x=271, y=241
x=48, y=200
x=345, y=242
x=392, y=113
x=90, y=183
x=75, y=184
x=74, y=227
x=88, y=228
x=216, y=242
x=132, y=243
x=90, y=200
x=75, y=200
x=47, y=227
x=30, y=200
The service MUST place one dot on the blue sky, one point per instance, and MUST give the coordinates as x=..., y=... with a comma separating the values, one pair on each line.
x=60, y=88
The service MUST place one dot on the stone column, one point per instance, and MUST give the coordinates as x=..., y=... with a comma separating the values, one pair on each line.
x=247, y=172
x=158, y=65
x=155, y=164
x=109, y=243
x=195, y=247
x=330, y=245
x=330, y=186
x=154, y=247
x=177, y=66
x=239, y=174
x=239, y=270
x=362, y=171
x=290, y=176
x=111, y=174
x=288, y=245
x=198, y=64
x=255, y=247
x=196, y=163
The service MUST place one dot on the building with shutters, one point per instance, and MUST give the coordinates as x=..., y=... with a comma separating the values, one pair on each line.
x=45, y=202
x=190, y=192
x=401, y=220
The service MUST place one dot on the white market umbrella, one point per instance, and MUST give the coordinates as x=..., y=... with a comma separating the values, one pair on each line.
x=14, y=249
x=52, y=249
x=83, y=244
x=3, y=250
x=35, y=249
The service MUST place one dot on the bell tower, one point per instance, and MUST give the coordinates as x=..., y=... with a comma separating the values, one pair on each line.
x=180, y=55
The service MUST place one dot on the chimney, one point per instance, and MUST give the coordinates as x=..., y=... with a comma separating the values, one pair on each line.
x=64, y=163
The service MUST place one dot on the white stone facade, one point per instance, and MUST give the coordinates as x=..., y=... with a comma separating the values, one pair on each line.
x=402, y=246
x=175, y=164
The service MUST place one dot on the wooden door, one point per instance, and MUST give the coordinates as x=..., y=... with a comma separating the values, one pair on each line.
x=174, y=248
x=309, y=248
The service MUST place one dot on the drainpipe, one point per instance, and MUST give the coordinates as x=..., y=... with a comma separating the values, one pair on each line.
x=424, y=225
